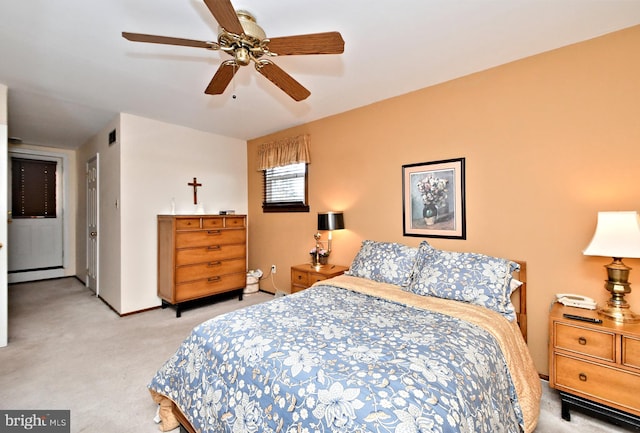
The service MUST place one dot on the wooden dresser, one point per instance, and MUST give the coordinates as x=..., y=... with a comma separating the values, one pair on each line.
x=305, y=275
x=200, y=256
x=596, y=367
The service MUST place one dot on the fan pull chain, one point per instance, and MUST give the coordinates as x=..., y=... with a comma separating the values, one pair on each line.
x=233, y=82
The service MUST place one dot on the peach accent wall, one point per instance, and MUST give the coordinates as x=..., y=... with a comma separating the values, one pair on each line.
x=549, y=141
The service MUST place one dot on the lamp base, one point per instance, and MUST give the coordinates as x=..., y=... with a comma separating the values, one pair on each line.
x=618, y=285
x=619, y=314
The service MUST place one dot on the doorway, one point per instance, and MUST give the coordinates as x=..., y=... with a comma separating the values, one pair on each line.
x=35, y=231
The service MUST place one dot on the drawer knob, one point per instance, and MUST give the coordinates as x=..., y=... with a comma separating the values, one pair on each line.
x=213, y=247
x=212, y=264
x=582, y=377
x=213, y=279
x=299, y=277
x=582, y=341
x=213, y=232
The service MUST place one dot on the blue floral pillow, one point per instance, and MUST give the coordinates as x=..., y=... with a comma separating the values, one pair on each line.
x=468, y=277
x=385, y=262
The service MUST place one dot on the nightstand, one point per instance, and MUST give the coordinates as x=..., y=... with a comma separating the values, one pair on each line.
x=596, y=367
x=303, y=276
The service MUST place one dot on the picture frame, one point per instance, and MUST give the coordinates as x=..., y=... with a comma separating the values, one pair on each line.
x=433, y=199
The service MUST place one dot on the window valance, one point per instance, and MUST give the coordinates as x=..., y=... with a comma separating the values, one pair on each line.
x=291, y=150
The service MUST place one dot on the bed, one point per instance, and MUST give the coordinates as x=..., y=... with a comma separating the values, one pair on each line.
x=410, y=339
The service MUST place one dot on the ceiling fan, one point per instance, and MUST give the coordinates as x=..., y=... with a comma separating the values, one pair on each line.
x=243, y=39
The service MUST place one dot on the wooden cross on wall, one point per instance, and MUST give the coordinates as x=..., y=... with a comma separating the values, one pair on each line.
x=195, y=186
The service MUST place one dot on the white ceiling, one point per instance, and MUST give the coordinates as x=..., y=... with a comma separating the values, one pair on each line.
x=69, y=71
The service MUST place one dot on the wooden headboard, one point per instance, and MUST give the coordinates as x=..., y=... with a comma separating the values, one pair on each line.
x=519, y=298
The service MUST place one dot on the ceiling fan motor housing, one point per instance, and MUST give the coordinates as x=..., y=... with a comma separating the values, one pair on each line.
x=250, y=26
x=242, y=46
x=253, y=33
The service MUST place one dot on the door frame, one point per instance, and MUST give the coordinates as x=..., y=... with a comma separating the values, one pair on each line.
x=63, y=204
x=4, y=295
x=95, y=158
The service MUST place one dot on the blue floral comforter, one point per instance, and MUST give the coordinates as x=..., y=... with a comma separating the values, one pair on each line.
x=329, y=359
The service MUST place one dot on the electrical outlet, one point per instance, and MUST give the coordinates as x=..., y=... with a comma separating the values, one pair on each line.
x=273, y=269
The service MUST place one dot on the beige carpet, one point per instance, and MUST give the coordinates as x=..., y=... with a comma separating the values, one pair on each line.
x=68, y=350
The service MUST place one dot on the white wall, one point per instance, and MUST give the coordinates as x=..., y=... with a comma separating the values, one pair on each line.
x=3, y=212
x=150, y=164
x=109, y=275
x=158, y=161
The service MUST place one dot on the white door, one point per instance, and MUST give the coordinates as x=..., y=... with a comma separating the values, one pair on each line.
x=35, y=243
x=92, y=225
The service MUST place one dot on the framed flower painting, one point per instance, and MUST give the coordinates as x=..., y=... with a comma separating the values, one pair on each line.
x=433, y=199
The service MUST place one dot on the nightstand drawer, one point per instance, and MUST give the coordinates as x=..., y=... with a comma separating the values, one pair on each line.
x=305, y=275
x=600, y=344
x=299, y=278
x=314, y=278
x=631, y=352
x=616, y=387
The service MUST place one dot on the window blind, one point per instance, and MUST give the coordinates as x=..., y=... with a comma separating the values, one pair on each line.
x=285, y=188
x=33, y=188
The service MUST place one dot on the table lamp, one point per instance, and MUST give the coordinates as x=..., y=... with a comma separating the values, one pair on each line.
x=327, y=221
x=617, y=235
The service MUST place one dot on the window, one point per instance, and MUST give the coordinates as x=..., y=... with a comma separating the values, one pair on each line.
x=284, y=166
x=285, y=188
x=33, y=188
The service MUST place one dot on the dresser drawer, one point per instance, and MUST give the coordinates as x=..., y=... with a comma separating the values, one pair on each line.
x=599, y=344
x=209, y=286
x=212, y=223
x=187, y=223
x=211, y=253
x=631, y=352
x=234, y=222
x=615, y=387
x=209, y=269
x=299, y=278
x=203, y=238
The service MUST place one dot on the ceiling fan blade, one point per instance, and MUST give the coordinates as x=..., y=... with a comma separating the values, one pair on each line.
x=315, y=43
x=280, y=78
x=222, y=78
x=139, y=37
x=223, y=12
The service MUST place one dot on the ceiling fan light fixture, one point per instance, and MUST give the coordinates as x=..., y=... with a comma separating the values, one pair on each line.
x=242, y=56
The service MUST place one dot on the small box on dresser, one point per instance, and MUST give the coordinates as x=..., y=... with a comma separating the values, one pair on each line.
x=200, y=256
x=595, y=366
x=305, y=275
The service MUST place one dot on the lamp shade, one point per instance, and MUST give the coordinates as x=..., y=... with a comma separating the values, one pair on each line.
x=330, y=221
x=617, y=235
